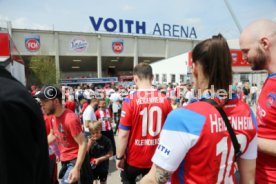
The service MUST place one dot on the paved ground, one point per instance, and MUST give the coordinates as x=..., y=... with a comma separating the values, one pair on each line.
x=114, y=174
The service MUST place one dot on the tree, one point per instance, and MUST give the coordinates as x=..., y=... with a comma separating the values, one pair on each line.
x=42, y=70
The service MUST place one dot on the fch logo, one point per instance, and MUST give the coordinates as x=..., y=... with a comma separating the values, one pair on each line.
x=118, y=45
x=271, y=99
x=32, y=43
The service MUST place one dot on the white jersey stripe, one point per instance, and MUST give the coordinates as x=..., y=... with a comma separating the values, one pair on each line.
x=167, y=155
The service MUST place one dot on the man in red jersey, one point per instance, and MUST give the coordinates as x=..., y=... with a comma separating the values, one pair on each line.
x=70, y=103
x=66, y=131
x=258, y=44
x=142, y=118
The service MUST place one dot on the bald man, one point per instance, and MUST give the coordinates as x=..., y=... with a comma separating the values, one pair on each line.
x=258, y=45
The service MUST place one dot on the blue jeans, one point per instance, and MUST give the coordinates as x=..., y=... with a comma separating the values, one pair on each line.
x=85, y=172
x=70, y=165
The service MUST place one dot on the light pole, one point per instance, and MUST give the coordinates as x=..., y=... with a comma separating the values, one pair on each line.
x=233, y=15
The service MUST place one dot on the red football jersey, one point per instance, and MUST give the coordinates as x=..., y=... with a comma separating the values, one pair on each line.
x=70, y=105
x=65, y=128
x=143, y=114
x=266, y=118
x=104, y=116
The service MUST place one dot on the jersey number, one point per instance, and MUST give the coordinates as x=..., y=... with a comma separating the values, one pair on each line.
x=222, y=148
x=147, y=122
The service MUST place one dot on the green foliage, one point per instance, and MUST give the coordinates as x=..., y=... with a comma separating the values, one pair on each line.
x=42, y=70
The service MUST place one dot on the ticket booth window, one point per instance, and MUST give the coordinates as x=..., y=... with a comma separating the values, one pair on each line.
x=172, y=78
x=164, y=78
x=181, y=78
x=244, y=77
x=157, y=77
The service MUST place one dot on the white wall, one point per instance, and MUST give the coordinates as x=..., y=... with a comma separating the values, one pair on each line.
x=176, y=65
x=47, y=44
x=147, y=46
x=234, y=44
x=176, y=47
x=65, y=45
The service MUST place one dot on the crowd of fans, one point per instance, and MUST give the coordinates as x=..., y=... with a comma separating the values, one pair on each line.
x=87, y=100
x=76, y=98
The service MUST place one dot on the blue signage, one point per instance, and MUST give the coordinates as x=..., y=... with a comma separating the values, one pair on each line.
x=89, y=80
x=137, y=27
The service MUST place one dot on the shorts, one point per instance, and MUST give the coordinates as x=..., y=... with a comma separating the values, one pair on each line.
x=100, y=175
x=130, y=174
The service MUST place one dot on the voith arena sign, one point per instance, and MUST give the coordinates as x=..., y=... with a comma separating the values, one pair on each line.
x=140, y=27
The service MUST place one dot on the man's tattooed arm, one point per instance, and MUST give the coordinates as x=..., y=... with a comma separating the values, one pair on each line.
x=161, y=175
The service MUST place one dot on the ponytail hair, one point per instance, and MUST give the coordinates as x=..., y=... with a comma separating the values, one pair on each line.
x=215, y=57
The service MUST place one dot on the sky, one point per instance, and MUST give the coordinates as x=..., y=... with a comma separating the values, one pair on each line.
x=208, y=17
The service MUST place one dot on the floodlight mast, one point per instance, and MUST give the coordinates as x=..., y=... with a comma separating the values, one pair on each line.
x=233, y=15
